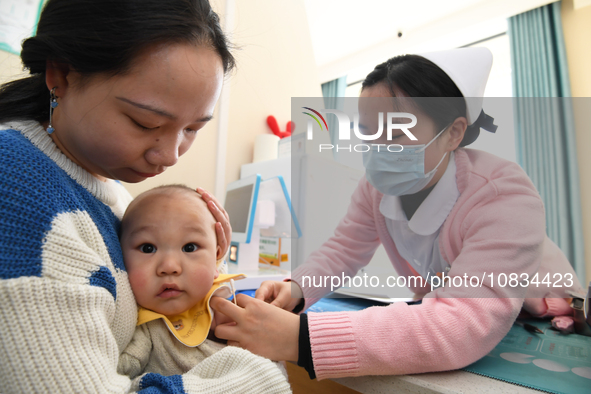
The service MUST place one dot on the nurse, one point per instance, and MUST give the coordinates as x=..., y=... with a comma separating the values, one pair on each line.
x=438, y=209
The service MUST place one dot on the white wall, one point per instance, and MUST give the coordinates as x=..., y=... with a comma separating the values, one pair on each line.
x=10, y=67
x=479, y=20
x=275, y=63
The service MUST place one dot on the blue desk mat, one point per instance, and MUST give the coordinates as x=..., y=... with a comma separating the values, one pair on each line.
x=551, y=362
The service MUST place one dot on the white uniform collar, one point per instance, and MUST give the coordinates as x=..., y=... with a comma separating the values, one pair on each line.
x=431, y=214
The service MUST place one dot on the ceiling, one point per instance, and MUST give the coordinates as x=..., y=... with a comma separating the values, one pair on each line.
x=339, y=28
x=349, y=34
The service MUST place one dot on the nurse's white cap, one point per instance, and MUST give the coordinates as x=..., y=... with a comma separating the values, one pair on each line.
x=469, y=69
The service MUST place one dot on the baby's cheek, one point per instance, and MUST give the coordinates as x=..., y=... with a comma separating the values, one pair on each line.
x=137, y=279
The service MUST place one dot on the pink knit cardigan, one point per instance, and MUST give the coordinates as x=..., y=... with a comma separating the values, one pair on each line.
x=496, y=226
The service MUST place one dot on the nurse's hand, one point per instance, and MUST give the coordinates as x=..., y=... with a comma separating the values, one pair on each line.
x=259, y=327
x=280, y=294
x=219, y=318
x=222, y=227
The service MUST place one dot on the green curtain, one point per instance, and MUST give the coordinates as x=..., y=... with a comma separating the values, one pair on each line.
x=545, y=134
x=334, y=93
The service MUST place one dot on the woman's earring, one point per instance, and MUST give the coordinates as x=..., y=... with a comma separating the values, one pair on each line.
x=52, y=105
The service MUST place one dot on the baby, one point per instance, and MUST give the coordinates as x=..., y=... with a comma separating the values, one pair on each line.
x=173, y=261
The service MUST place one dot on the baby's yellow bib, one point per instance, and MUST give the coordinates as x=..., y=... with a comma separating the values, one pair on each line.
x=192, y=327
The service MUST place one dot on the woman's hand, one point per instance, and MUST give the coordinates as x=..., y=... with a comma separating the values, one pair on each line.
x=222, y=227
x=259, y=327
x=280, y=294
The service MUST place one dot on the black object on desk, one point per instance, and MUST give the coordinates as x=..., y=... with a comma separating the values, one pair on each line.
x=529, y=327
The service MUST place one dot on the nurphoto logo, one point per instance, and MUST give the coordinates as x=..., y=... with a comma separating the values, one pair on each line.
x=345, y=125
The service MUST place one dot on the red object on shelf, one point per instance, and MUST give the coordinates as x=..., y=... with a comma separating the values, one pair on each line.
x=274, y=126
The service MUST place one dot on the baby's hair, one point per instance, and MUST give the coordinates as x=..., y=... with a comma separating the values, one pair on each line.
x=104, y=38
x=173, y=186
x=420, y=78
x=164, y=188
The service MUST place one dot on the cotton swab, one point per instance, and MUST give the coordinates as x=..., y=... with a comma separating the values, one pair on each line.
x=233, y=291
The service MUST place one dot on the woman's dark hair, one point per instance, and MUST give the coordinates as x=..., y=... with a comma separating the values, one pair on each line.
x=104, y=37
x=431, y=89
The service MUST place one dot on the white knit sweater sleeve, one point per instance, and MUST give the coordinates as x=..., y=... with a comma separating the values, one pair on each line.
x=62, y=326
x=208, y=368
x=230, y=371
x=66, y=305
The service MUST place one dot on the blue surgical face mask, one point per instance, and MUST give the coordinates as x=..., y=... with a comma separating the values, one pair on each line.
x=399, y=173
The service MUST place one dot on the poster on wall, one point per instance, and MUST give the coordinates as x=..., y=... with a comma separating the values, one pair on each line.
x=18, y=20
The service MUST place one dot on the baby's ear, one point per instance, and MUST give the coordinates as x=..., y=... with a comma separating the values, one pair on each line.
x=218, y=256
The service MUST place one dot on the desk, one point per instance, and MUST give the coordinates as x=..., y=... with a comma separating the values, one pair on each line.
x=548, y=361
x=427, y=383
x=435, y=382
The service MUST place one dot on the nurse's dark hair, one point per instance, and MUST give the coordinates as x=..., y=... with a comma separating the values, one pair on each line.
x=104, y=37
x=428, y=86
